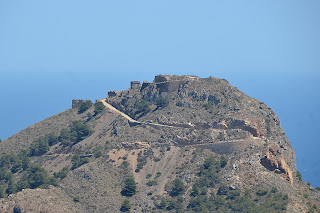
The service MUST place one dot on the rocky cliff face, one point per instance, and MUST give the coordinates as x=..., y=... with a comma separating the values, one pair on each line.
x=211, y=104
x=180, y=122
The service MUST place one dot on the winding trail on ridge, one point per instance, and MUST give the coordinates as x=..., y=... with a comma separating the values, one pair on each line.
x=156, y=125
x=113, y=109
x=131, y=120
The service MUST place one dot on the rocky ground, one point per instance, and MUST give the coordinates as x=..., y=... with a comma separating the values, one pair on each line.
x=199, y=118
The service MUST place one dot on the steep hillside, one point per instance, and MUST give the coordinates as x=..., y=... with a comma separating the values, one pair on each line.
x=23, y=139
x=177, y=144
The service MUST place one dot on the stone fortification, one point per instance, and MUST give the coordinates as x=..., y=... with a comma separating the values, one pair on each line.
x=156, y=132
x=135, y=85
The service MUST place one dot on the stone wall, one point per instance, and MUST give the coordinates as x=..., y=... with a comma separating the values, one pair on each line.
x=164, y=78
x=112, y=93
x=170, y=86
x=145, y=84
x=135, y=85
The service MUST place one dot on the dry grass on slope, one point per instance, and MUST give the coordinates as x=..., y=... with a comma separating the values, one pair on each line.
x=23, y=139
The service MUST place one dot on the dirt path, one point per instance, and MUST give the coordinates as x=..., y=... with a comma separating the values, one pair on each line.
x=154, y=125
x=113, y=109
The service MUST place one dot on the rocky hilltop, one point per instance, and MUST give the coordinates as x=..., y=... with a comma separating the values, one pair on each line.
x=177, y=144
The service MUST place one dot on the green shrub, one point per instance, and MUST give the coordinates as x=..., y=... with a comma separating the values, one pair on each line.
x=76, y=199
x=176, y=204
x=228, y=199
x=220, y=136
x=155, y=159
x=233, y=194
x=209, y=172
x=77, y=161
x=126, y=206
x=152, y=183
x=261, y=192
x=62, y=174
x=223, y=161
x=97, y=153
x=5, y=175
x=177, y=188
x=223, y=190
x=162, y=204
x=298, y=175
x=162, y=101
x=208, y=105
x=158, y=174
x=98, y=107
x=52, y=138
x=129, y=188
x=125, y=164
x=23, y=184
x=31, y=176
x=204, y=190
x=141, y=161
x=65, y=137
x=89, y=116
x=79, y=131
x=274, y=190
x=210, y=163
x=39, y=147
x=85, y=106
x=149, y=176
x=143, y=107
x=15, y=162
x=42, y=144
x=313, y=209
x=24, y=156
x=2, y=192
x=35, y=177
x=195, y=190
x=12, y=188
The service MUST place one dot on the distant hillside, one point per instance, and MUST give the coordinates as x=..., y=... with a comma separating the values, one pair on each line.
x=177, y=144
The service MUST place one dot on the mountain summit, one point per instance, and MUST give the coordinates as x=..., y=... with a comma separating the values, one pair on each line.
x=177, y=144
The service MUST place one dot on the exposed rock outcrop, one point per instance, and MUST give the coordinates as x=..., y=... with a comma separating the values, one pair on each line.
x=275, y=162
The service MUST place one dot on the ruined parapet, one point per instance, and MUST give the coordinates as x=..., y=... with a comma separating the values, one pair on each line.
x=165, y=78
x=170, y=86
x=135, y=85
x=171, y=83
x=76, y=103
x=160, y=78
x=145, y=84
x=112, y=94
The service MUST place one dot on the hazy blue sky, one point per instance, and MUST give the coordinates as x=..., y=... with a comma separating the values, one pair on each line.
x=54, y=51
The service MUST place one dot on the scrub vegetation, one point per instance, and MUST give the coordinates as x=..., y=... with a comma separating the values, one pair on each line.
x=17, y=172
x=225, y=199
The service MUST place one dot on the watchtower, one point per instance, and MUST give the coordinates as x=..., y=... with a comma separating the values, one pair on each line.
x=111, y=93
x=135, y=85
